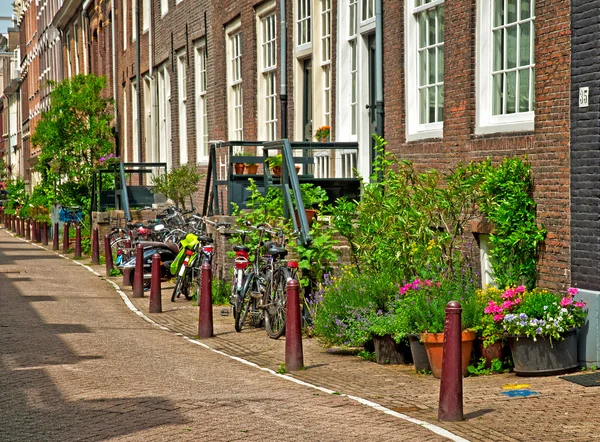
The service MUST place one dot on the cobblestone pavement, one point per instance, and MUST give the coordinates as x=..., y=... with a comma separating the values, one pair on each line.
x=78, y=376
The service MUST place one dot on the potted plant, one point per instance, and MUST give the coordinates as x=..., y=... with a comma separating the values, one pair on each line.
x=251, y=168
x=323, y=133
x=275, y=163
x=541, y=327
x=312, y=196
x=238, y=165
x=490, y=333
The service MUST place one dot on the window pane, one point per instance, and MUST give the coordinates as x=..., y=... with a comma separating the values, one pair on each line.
x=511, y=9
x=440, y=23
x=422, y=31
x=423, y=106
x=431, y=25
x=524, y=90
x=440, y=103
x=431, y=54
x=511, y=47
x=525, y=9
x=524, y=44
x=422, y=68
x=497, y=94
x=498, y=12
x=498, y=50
x=511, y=86
x=440, y=64
x=431, y=104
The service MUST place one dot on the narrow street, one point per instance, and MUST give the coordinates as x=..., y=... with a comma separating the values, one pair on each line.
x=76, y=364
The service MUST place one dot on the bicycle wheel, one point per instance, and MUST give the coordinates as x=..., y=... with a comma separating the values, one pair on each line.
x=189, y=276
x=242, y=306
x=179, y=287
x=275, y=303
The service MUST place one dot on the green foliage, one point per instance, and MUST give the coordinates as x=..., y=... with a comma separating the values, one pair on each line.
x=312, y=195
x=73, y=134
x=506, y=201
x=317, y=259
x=282, y=369
x=481, y=369
x=367, y=355
x=114, y=272
x=17, y=196
x=221, y=292
x=180, y=183
x=275, y=161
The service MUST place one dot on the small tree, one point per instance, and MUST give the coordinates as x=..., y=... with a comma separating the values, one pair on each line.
x=73, y=134
x=180, y=183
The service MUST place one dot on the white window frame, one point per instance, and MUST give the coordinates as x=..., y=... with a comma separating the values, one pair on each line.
x=201, y=80
x=164, y=7
x=326, y=17
x=178, y=1
x=415, y=130
x=69, y=64
x=235, y=108
x=487, y=272
x=303, y=24
x=266, y=27
x=367, y=11
x=182, y=105
x=124, y=13
x=487, y=123
x=145, y=15
x=76, y=47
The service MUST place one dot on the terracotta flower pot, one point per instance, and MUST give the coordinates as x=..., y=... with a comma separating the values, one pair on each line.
x=491, y=352
x=434, y=344
x=251, y=169
x=310, y=216
x=239, y=168
x=276, y=170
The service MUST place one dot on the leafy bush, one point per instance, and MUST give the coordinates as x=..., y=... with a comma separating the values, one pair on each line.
x=180, y=183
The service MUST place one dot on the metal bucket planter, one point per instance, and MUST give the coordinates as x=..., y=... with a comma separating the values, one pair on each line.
x=419, y=354
x=544, y=357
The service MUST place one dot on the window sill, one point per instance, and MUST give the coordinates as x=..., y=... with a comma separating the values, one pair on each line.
x=424, y=135
x=513, y=126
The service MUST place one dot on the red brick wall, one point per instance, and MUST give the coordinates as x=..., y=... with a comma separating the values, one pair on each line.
x=547, y=147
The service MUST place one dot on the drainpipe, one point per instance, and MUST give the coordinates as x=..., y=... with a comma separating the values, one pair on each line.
x=283, y=75
x=114, y=75
x=153, y=105
x=379, y=64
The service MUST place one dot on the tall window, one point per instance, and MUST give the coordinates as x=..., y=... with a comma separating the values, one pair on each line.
x=505, y=65
x=236, y=121
x=512, y=71
x=352, y=39
x=124, y=14
x=326, y=58
x=134, y=20
x=69, y=64
x=134, y=123
x=164, y=117
x=201, y=105
x=425, y=68
x=125, y=131
x=145, y=15
x=268, y=88
x=182, y=93
x=76, y=48
x=164, y=7
x=303, y=21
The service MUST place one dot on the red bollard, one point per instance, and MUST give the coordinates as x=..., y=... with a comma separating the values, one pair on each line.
x=78, y=242
x=37, y=237
x=65, y=248
x=205, y=320
x=127, y=282
x=138, y=275
x=44, y=229
x=34, y=234
x=13, y=226
x=22, y=226
x=451, y=386
x=18, y=226
x=155, y=295
x=108, y=254
x=28, y=229
x=95, y=247
x=294, y=358
x=55, y=237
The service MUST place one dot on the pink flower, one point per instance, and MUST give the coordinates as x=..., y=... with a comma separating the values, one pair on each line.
x=492, y=308
x=403, y=290
x=517, y=301
x=428, y=282
x=520, y=289
x=566, y=301
x=415, y=284
x=579, y=304
x=507, y=304
x=498, y=317
x=572, y=291
x=437, y=284
x=508, y=294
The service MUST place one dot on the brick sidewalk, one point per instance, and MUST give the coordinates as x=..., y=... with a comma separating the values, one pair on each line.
x=559, y=411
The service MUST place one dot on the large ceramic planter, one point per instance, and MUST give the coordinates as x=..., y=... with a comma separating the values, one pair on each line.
x=387, y=351
x=419, y=354
x=239, y=168
x=434, y=345
x=544, y=357
x=251, y=169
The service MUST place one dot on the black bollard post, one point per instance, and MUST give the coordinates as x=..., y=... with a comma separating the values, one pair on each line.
x=451, y=386
x=138, y=275
x=155, y=288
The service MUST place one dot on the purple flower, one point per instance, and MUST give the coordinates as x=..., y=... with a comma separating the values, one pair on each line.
x=538, y=331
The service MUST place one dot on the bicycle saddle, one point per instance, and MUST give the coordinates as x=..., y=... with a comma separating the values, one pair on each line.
x=205, y=239
x=241, y=248
x=277, y=251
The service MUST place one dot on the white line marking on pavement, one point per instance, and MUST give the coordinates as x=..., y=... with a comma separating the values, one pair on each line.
x=431, y=427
